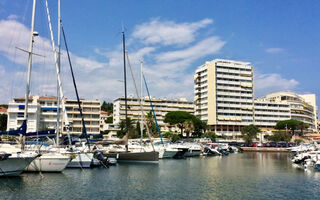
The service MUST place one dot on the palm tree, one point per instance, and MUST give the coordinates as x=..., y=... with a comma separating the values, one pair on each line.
x=188, y=127
x=131, y=129
x=150, y=121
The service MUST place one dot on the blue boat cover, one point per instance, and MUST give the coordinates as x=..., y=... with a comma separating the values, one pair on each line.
x=41, y=133
x=23, y=129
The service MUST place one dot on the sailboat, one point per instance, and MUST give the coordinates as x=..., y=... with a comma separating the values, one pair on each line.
x=13, y=160
x=130, y=156
x=48, y=161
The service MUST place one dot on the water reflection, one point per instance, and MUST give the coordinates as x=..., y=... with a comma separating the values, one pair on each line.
x=237, y=176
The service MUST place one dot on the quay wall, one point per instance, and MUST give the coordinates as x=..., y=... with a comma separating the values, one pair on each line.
x=265, y=149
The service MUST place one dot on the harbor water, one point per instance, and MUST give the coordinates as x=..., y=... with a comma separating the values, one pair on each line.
x=237, y=176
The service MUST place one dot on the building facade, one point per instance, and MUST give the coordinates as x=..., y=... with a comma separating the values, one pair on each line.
x=224, y=95
x=302, y=107
x=91, y=114
x=16, y=114
x=42, y=114
x=224, y=98
x=161, y=108
x=267, y=113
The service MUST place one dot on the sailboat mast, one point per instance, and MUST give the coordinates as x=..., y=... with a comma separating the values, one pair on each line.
x=141, y=95
x=125, y=85
x=84, y=130
x=67, y=124
x=32, y=34
x=59, y=64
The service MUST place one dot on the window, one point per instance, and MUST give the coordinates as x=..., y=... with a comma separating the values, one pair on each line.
x=95, y=116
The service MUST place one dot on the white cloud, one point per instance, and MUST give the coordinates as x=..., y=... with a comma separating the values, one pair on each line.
x=168, y=32
x=13, y=17
x=274, y=50
x=266, y=83
x=203, y=48
x=169, y=72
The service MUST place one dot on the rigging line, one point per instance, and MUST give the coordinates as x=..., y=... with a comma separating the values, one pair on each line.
x=67, y=124
x=155, y=117
x=84, y=131
x=138, y=96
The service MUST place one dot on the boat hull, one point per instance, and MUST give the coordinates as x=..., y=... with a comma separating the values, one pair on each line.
x=49, y=163
x=81, y=160
x=152, y=156
x=169, y=154
x=14, y=166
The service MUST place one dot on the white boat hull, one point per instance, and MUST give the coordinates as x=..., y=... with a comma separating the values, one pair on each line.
x=49, y=162
x=82, y=160
x=14, y=166
x=169, y=154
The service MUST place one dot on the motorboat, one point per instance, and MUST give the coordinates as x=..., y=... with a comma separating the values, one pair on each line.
x=211, y=151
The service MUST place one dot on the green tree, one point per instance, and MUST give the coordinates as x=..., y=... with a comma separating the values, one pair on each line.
x=188, y=126
x=132, y=133
x=211, y=135
x=109, y=120
x=3, y=122
x=290, y=124
x=178, y=118
x=108, y=107
x=144, y=132
x=302, y=126
x=175, y=137
x=280, y=136
x=150, y=121
x=167, y=134
x=105, y=132
x=199, y=126
x=249, y=133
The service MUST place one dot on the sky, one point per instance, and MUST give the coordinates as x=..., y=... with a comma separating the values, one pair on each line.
x=172, y=38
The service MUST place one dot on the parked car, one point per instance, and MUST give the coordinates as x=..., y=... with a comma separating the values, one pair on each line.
x=282, y=144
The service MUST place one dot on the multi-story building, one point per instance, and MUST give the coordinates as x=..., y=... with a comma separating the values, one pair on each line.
x=302, y=107
x=224, y=95
x=16, y=114
x=224, y=98
x=48, y=112
x=42, y=114
x=91, y=114
x=161, y=108
x=267, y=113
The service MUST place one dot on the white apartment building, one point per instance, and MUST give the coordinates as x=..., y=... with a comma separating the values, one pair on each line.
x=267, y=113
x=16, y=114
x=161, y=108
x=224, y=95
x=91, y=114
x=224, y=98
x=302, y=107
x=42, y=114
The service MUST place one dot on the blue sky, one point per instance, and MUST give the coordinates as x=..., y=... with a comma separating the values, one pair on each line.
x=280, y=38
